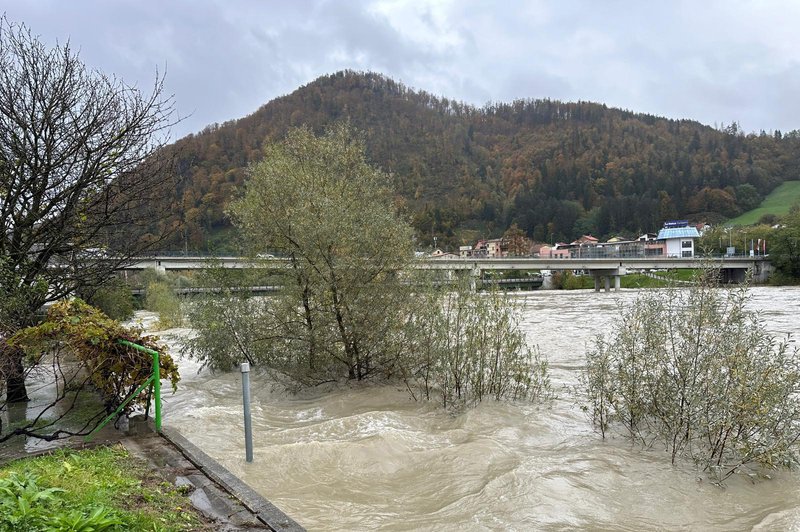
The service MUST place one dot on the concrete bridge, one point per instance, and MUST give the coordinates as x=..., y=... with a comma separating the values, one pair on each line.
x=733, y=268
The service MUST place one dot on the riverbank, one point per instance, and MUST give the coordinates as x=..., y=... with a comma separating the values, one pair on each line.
x=137, y=482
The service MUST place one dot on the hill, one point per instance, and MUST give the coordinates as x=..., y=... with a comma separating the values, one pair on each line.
x=556, y=169
x=778, y=203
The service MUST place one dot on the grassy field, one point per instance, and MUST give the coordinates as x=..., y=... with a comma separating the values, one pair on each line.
x=778, y=202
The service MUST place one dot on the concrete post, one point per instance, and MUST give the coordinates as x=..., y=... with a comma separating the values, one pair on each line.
x=596, y=283
x=616, y=283
x=607, y=282
x=248, y=427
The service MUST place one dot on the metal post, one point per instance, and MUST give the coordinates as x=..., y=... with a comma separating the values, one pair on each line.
x=157, y=388
x=248, y=427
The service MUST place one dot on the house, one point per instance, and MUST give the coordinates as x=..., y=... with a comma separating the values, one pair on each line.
x=494, y=248
x=439, y=254
x=465, y=251
x=586, y=240
x=536, y=249
x=558, y=251
x=678, y=237
x=479, y=250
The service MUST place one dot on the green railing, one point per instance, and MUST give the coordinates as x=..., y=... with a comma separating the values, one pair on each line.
x=154, y=380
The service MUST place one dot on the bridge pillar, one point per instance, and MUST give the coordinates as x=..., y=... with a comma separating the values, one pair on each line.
x=596, y=283
x=474, y=276
x=607, y=282
x=616, y=283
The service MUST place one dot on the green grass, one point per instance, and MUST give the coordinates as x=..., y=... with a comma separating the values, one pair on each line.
x=778, y=202
x=98, y=489
x=634, y=280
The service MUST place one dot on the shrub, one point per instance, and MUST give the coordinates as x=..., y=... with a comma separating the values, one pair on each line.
x=114, y=298
x=466, y=346
x=161, y=298
x=696, y=372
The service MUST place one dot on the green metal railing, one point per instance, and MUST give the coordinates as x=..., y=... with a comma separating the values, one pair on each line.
x=153, y=380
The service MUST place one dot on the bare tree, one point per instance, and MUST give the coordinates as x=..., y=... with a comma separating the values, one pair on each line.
x=83, y=178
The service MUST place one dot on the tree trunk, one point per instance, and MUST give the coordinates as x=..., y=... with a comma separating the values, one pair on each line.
x=15, y=383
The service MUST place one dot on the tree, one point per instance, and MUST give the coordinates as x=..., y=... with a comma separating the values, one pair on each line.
x=516, y=242
x=82, y=178
x=317, y=201
x=697, y=373
x=79, y=350
x=784, y=249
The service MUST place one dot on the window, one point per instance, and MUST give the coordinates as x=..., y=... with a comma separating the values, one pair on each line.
x=686, y=254
x=686, y=244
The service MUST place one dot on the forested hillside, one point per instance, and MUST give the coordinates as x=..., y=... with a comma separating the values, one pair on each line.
x=556, y=169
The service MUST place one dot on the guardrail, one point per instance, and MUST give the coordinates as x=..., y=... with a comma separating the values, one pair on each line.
x=153, y=380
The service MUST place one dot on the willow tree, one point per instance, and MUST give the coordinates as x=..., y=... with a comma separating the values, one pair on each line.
x=81, y=176
x=318, y=202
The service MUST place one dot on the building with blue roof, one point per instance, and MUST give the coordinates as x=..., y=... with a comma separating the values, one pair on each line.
x=679, y=239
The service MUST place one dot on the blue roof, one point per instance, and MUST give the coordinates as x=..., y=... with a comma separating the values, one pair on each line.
x=678, y=232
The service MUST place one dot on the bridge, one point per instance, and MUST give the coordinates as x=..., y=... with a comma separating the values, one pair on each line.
x=604, y=269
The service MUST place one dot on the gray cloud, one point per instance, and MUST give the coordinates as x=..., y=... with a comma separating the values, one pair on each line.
x=715, y=61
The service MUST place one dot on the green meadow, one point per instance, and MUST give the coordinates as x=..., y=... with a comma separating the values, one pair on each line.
x=778, y=202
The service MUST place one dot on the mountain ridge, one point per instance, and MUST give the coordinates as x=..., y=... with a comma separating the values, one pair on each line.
x=556, y=169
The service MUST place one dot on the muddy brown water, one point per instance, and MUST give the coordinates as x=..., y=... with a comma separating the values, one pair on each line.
x=365, y=458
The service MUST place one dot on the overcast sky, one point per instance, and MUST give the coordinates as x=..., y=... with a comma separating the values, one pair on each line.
x=714, y=61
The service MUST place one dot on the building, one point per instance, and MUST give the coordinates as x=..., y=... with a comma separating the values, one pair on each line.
x=678, y=237
x=439, y=254
x=558, y=251
x=494, y=248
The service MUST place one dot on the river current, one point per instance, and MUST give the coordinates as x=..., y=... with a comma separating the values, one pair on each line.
x=365, y=458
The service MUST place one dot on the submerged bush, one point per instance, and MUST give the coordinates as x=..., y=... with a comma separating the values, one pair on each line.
x=696, y=372
x=468, y=346
x=161, y=298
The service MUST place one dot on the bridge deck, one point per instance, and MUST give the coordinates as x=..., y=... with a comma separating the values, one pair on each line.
x=516, y=263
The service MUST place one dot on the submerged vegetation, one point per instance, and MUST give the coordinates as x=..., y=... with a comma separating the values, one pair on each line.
x=696, y=373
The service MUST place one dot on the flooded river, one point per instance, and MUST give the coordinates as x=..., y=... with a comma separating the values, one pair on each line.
x=371, y=458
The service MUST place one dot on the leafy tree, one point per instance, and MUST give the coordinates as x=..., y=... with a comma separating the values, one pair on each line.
x=114, y=298
x=697, y=373
x=82, y=177
x=77, y=348
x=784, y=250
x=318, y=202
x=747, y=197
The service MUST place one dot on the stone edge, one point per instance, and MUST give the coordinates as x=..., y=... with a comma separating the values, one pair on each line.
x=264, y=510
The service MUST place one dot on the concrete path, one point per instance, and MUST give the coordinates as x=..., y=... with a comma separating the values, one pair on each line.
x=213, y=490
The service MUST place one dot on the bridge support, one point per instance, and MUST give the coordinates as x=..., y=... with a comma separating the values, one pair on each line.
x=606, y=275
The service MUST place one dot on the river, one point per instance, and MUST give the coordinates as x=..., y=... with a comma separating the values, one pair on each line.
x=366, y=458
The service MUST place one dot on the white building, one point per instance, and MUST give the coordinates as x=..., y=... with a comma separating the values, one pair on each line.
x=679, y=239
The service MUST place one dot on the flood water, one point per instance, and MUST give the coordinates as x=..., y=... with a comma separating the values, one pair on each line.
x=371, y=458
